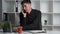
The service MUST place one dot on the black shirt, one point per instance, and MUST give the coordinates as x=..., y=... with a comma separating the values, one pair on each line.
x=32, y=21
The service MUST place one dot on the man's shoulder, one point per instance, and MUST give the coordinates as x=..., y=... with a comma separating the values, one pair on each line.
x=36, y=11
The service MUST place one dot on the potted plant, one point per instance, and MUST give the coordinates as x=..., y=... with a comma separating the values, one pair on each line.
x=5, y=25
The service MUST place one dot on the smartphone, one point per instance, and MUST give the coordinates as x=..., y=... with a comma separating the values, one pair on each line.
x=24, y=11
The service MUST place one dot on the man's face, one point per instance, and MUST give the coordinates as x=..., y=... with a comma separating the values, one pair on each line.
x=26, y=6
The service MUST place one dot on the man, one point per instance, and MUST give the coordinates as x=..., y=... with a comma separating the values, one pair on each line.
x=30, y=19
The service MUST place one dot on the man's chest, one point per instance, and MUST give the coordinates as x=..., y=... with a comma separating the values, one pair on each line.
x=31, y=17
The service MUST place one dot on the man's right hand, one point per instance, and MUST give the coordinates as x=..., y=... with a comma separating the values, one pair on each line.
x=24, y=14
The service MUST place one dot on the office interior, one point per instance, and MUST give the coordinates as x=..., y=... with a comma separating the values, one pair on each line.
x=50, y=14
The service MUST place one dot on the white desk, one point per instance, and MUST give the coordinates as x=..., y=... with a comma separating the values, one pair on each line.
x=27, y=32
x=48, y=32
x=35, y=31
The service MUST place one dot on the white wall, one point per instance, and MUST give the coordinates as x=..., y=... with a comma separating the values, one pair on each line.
x=44, y=6
x=36, y=5
x=56, y=7
x=56, y=19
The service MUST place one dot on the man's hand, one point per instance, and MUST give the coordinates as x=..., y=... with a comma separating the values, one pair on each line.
x=24, y=14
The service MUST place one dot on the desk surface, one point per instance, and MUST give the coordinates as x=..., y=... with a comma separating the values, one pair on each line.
x=36, y=31
x=27, y=31
x=48, y=32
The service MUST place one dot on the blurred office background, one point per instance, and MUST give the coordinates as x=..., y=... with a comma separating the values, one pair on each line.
x=10, y=9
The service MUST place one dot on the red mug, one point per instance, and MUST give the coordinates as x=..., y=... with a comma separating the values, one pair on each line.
x=19, y=29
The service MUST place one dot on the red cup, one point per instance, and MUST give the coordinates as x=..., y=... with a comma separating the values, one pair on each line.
x=19, y=29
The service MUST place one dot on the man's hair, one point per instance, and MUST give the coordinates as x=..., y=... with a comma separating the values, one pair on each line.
x=25, y=1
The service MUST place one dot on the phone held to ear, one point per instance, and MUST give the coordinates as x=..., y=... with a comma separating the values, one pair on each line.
x=24, y=11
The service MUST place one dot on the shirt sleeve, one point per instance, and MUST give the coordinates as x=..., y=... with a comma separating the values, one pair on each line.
x=22, y=20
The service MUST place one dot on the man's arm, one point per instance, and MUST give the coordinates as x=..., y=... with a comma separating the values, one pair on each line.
x=36, y=21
